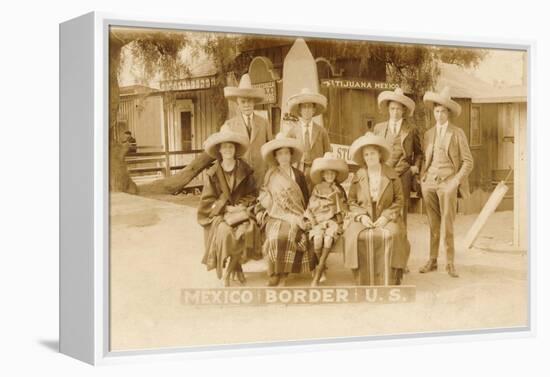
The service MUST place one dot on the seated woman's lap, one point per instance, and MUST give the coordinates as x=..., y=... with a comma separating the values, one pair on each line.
x=227, y=240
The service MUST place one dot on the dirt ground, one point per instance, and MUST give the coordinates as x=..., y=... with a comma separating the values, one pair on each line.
x=157, y=246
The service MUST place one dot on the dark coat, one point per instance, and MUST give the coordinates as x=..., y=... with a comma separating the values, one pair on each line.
x=261, y=134
x=301, y=181
x=320, y=143
x=389, y=205
x=410, y=142
x=212, y=207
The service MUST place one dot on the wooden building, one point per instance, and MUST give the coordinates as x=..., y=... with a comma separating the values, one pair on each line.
x=172, y=122
x=170, y=125
x=492, y=118
x=502, y=136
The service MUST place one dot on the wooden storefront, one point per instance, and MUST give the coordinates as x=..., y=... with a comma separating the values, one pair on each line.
x=170, y=125
x=175, y=120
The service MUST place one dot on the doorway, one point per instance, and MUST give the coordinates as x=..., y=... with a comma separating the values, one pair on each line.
x=186, y=130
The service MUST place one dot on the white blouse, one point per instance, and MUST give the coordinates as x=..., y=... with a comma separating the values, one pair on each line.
x=291, y=171
x=374, y=184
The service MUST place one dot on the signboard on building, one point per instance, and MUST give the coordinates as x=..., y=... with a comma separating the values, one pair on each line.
x=194, y=83
x=270, y=91
x=342, y=151
x=358, y=84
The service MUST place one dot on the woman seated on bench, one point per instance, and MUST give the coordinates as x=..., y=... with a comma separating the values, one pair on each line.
x=376, y=246
x=225, y=208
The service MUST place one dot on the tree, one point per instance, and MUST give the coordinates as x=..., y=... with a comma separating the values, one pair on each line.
x=222, y=49
x=157, y=51
x=414, y=67
x=417, y=67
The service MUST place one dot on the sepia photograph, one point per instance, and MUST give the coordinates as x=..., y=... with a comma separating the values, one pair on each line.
x=267, y=188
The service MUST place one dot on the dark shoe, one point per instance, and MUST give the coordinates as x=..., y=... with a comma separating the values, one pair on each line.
x=451, y=270
x=430, y=266
x=316, y=277
x=319, y=276
x=274, y=280
x=241, y=277
x=227, y=279
x=397, y=276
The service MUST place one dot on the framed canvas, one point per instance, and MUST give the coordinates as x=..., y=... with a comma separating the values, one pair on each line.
x=226, y=189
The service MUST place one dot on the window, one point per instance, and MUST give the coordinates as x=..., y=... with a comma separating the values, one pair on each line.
x=475, y=126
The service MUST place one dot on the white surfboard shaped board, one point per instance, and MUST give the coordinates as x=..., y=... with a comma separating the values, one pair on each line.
x=299, y=71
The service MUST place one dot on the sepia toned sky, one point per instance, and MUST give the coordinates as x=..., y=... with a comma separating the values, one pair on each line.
x=501, y=65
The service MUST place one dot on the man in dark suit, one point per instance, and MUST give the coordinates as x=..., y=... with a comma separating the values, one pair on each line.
x=130, y=141
x=314, y=138
x=400, y=133
x=256, y=128
x=444, y=175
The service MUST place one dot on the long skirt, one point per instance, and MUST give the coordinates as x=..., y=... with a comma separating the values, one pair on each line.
x=223, y=241
x=286, y=249
x=376, y=256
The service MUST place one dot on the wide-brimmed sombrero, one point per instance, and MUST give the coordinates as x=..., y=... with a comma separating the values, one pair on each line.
x=307, y=95
x=212, y=144
x=442, y=98
x=282, y=140
x=329, y=162
x=356, y=148
x=244, y=90
x=397, y=95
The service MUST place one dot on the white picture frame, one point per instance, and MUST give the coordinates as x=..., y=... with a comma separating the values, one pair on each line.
x=84, y=193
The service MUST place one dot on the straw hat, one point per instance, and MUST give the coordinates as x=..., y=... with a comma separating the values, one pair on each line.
x=307, y=95
x=442, y=98
x=356, y=148
x=397, y=95
x=329, y=162
x=281, y=141
x=245, y=90
x=212, y=144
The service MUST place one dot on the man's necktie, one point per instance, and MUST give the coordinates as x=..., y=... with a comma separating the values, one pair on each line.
x=307, y=146
x=439, y=138
x=248, y=125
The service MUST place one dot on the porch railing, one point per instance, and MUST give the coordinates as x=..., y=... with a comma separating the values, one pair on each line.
x=142, y=164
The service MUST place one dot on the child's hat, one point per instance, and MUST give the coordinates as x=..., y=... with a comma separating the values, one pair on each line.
x=329, y=162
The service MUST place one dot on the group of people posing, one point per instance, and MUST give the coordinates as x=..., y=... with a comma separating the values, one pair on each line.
x=282, y=198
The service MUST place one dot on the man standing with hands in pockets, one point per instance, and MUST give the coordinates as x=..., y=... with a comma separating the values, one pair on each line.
x=444, y=176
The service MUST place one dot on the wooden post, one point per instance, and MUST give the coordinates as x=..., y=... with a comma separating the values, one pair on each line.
x=521, y=215
x=165, y=105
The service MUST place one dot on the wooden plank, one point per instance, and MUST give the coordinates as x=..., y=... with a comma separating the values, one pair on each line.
x=521, y=205
x=166, y=140
x=148, y=154
x=145, y=170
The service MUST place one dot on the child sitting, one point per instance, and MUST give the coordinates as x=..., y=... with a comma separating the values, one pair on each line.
x=326, y=208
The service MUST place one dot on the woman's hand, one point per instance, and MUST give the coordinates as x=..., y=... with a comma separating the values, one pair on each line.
x=261, y=218
x=381, y=222
x=307, y=225
x=366, y=221
x=265, y=199
x=301, y=223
